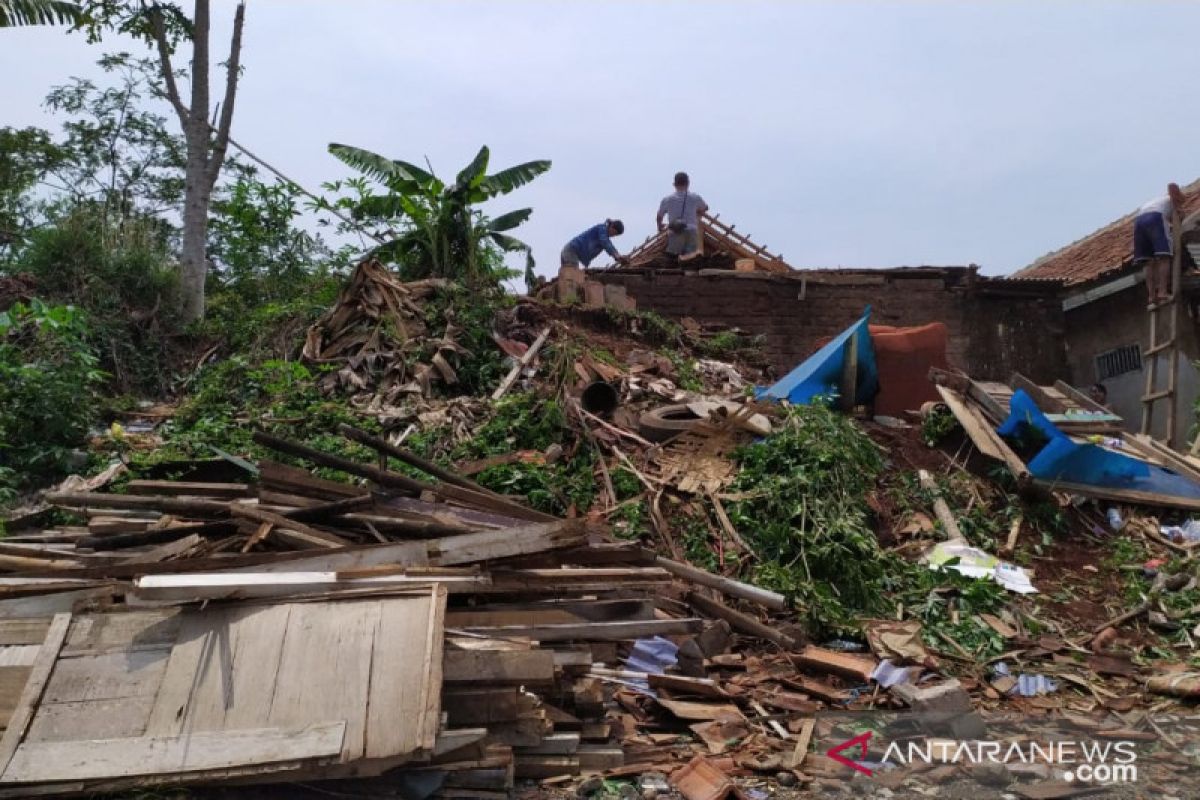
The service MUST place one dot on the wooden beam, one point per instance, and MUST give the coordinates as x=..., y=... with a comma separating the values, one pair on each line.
x=521, y=364
x=744, y=591
x=190, y=489
x=595, y=631
x=289, y=530
x=1121, y=495
x=743, y=623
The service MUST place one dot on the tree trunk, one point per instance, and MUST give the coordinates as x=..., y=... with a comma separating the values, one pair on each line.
x=205, y=152
x=193, y=258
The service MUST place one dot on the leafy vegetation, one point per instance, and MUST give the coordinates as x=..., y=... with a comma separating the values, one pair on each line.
x=433, y=229
x=807, y=515
x=49, y=385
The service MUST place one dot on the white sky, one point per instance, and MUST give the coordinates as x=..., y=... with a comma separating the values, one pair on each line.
x=867, y=134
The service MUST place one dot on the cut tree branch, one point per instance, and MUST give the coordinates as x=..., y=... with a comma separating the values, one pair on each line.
x=232, y=69
x=164, y=62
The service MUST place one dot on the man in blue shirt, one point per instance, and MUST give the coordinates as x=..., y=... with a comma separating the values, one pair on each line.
x=587, y=245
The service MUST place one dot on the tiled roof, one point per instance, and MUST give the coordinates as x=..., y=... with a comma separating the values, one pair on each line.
x=1106, y=251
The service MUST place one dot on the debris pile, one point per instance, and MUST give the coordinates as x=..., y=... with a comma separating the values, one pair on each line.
x=737, y=584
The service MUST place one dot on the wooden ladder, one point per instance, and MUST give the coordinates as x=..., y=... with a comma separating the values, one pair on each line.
x=1167, y=346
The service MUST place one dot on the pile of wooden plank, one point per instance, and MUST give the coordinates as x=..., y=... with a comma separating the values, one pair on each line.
x=276, y=625
x=981, y=406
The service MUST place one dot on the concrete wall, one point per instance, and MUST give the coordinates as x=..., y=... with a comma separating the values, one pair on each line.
x=995, y=327
x=1120, y=320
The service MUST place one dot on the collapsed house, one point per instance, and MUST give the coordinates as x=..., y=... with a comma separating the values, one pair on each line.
x=994, y=326
x=1077, y=314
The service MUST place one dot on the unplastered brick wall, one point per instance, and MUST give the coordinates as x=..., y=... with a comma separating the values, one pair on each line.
x=995, y=327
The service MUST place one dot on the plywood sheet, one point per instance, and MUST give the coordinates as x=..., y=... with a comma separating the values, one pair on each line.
x=99, y=759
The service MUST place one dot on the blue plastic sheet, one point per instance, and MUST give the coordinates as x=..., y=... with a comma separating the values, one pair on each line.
x=820, y=375
x=1062, y=459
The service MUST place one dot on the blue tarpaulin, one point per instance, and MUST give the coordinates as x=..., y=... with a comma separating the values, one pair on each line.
x=820, y=375
x=1064, y=460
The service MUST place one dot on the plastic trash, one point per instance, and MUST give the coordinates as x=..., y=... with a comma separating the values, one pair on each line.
x=845, y=646
x=1114, y=519
x=1187, y=532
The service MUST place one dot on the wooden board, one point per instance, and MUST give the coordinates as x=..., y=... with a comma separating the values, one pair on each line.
x=498, y=667
x=39, y=675
x=373, y=663
x=126, y=757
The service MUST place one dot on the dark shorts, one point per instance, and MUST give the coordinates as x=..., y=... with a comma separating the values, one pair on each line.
x=568, y=257
x=1150, y=236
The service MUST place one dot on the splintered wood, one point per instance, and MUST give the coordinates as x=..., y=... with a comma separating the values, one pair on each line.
x=294, y=628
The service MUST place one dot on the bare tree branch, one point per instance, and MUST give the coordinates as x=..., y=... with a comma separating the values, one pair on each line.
x=164, y=62
x=231, y=80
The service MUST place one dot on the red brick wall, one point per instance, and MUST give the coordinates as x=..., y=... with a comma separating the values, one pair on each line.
x=994, y=329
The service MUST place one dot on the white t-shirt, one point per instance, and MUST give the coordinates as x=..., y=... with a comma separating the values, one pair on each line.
x=1162, y=205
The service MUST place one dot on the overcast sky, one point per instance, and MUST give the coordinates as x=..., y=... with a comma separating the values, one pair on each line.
x=859, y=134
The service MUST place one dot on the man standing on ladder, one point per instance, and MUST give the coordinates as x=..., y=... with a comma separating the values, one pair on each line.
x=1152, y=242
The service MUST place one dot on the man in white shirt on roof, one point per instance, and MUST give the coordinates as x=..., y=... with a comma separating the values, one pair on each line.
x=1152, y=242
x=682, y=210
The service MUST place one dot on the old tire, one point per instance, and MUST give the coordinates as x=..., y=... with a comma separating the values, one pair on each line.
x=666, y=422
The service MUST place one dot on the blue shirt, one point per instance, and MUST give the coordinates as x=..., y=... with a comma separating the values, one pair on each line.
x=588, y=244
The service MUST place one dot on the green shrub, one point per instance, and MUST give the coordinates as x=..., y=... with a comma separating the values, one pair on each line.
x=49, y=390
x=123, y=279
x=807, y=517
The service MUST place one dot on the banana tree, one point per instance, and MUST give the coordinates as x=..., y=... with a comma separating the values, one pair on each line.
x=14, y=13
x=435, y=229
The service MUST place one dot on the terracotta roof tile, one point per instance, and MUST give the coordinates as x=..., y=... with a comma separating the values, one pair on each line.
x=1098, y=254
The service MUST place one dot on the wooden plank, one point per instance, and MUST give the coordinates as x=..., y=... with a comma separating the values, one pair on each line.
x=55, y=603
x=498, y=667
x=521, y=364
x=106, y=676
x=982, y=434
x=38, y=762
x=482, y=706
x=249, y=585
x=166, y=552
x=406, y=554
x=189, y=488
x=116, y=718
x=599, y=631
x=846, y=665
x=406, y=678
x=39, y=675
x=293, y=532
x=325, y=667
x=302, y=482
x=468, y=548
x=12, y=684
x=24, y=631
x=743, y=623
x=1121, y=495
x=733, y=588
x=1045, y=401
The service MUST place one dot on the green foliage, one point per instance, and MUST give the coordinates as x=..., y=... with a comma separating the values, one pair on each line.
x=936, y=426
x=434, y=229
x=807, y=516
x=49, y=384
x=471, y=312
x=121, y=278
x=258, y=251
x=26, y=156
